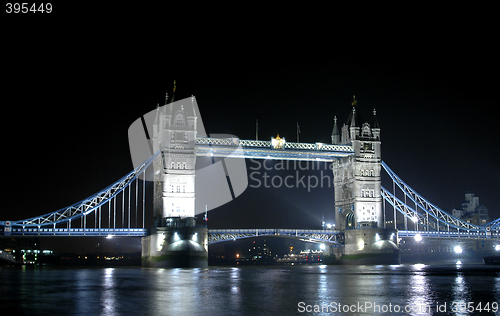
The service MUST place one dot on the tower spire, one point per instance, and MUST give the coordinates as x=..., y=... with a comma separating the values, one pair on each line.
x=335, y=132
x=376, y=127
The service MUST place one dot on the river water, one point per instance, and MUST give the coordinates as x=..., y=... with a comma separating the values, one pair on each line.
x=250, y=290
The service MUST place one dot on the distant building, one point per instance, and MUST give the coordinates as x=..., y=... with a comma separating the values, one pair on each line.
x=471, y=211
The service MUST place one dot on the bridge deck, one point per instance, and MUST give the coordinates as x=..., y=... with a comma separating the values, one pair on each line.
x=258, y=149
x=137, y=232
x=219, y=235
x=445, y=234
x=312, y=235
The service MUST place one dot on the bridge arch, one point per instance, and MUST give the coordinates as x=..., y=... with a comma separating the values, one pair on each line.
x=350, y=221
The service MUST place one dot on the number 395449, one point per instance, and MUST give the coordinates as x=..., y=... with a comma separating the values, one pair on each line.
x=28, y=7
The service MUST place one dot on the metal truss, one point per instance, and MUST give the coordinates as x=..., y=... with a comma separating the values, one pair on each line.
x=493, y=224
x=235, y=148
x=137, y=232
x=311, y=235
x=422, y=219
x=450, y=234
x=83, y=207
x=402, y=208
x=428, y=208
x=267, y=144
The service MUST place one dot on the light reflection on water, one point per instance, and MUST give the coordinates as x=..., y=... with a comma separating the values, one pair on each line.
x=420, y=300
x=461, y=294
x=108, y=302
x=247, y=290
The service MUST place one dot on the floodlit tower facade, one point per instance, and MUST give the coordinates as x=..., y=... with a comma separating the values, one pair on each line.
x=357, y=183
x=175, y=240
x=175, y=135
x=367, y=184
x=358, y=203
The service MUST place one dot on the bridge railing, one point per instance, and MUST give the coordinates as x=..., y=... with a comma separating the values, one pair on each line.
x=275, y=231
x=267, y=144
x=445, y=234
x=334, y=237
x=30, y=231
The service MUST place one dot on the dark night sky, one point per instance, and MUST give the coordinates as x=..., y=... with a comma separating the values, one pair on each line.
x=69, y=98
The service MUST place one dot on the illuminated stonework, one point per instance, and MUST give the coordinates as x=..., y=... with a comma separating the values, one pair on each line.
x=278, y=142
x=175, y=134
x=358, y=200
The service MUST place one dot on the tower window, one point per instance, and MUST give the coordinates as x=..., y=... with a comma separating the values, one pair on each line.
x=179, y=120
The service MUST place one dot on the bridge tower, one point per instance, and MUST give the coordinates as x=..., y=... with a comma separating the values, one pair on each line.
x=357, y=183
x=175, y=240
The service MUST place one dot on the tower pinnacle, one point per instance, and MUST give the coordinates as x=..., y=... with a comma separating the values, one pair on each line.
x=335, y=132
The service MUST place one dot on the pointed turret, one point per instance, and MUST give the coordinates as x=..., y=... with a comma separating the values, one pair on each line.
x=376, y=127
x=335, y=132
x=353, y=129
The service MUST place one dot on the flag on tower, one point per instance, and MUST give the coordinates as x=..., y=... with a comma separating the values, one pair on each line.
x=256, y=129
x=298, y=131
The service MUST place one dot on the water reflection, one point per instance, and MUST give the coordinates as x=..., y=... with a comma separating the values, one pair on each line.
x=323, y=288
x=235, y=280
x=461, y=296
x=108, y=300
x=249, y=290
x=497, y=289
x=420, y=298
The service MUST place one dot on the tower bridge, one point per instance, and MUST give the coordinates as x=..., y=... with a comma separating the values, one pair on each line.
x=165, y=144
